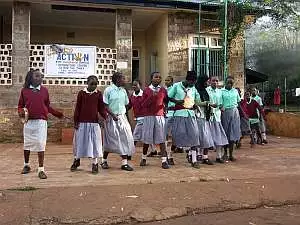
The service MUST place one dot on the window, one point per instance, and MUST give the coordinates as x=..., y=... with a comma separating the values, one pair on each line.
x=206, y=59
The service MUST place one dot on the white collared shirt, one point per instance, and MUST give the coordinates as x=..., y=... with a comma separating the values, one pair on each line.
x=139, y=94
x=35, y=88
x=88, y=92
x=154, y=88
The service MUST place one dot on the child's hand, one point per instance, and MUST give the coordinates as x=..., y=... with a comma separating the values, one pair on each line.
x=222, y=109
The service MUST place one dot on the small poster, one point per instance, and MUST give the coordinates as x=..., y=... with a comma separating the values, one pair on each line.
x=70, y=61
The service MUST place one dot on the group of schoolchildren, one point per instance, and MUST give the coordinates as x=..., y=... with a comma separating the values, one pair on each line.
x=197, y=116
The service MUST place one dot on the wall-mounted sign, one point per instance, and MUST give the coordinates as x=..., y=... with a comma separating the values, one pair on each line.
x=122, y=65
x=70, y=61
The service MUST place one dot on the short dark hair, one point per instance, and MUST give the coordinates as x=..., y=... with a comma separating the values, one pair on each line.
x=153, y=73
x=28, y=78
x=191, y=75
x=116, y=76
x=229, y=77
x=138, y=81
x=92, y=77
x=171, y=78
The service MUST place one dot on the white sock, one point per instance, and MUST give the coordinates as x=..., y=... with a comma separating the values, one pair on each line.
x=94, y=160
x=194, y=156
x=26, y=164
x=41, y=169
x=219, y=152
x=205, y=156
x=190, y=152
x=144, y=156
x=264, y=136
x=124, y=162
x=163, y=159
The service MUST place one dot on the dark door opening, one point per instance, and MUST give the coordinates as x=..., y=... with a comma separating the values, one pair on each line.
x=135, y=69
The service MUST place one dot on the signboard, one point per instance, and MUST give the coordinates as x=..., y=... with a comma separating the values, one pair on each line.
x=70, y=61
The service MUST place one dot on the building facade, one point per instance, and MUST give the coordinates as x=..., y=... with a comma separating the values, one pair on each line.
x=134, y=37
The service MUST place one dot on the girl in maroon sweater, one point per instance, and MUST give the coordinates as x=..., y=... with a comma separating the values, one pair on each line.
x=34, y=103
x=154, y=101
x=87, y=136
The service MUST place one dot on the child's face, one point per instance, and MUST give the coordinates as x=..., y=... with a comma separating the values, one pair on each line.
x=229, y=83
x=168, y=81
x=253, y=91
x=136, y=86
x=92, y=85
x=156, y=80
x=214, y=82
x=247, y=95
x=190, y=83
x=121, y=81
x=37, y=78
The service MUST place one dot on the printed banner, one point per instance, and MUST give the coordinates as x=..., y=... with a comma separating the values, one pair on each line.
x=70, y=61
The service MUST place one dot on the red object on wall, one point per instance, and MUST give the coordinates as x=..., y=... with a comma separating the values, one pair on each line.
x=277, y=96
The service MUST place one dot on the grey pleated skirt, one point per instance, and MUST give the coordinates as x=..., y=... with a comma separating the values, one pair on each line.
x=168, y=126
x=118, y=136
x=245, y=126
x=87, y=141
x=185, y=131
x=153, y=130
x=205, y=136
x=218, y=134
x=231, y=124
x=138, y=130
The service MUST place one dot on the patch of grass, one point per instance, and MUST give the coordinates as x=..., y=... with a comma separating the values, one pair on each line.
x=27, y=188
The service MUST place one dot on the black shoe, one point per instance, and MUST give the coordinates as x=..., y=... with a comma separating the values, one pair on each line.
x=196, y=165
x=207, y=162
x=265, y=141
x=199, y=158
x=42, y=175
x=143, y=162
x=75, y=165
x=152, y=154
x=171, y=161
x=126, y=167
x=26, y=169
x=232, y=159
x=220, y=161
x=95, y=168
x=104, y=165
x=225, y=158
x=129, y=158
x=189, y=158
x=165, y=165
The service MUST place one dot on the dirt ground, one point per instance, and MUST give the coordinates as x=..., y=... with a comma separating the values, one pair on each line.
x=266, y=176
x=289, y=215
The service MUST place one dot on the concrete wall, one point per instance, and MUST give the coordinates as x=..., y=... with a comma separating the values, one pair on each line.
x=157, y=43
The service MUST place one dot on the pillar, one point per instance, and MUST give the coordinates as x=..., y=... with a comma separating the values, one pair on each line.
x=124, y=42
x=20, y=41
x=236, y=63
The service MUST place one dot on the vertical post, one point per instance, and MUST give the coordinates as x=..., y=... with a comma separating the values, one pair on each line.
x=124, y=42
x=285, y=94
x=199, y=42
x=225, y=38
x=20, y=41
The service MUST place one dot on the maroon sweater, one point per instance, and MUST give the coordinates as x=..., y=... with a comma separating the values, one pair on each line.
x=136, y=104
x=88, y=106
x=154, y=105
x=37, y=104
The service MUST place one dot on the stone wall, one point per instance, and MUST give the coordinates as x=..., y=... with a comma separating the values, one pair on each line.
x=180, y=26
x=236, y=65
